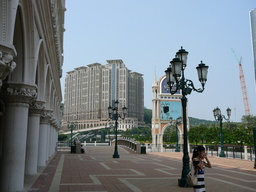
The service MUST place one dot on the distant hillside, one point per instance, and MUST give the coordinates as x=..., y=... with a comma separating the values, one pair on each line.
x=195, y=121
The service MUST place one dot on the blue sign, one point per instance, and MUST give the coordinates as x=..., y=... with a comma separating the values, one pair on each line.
x=170, y=109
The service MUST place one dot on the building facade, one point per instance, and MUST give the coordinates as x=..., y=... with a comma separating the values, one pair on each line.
x=253, y=34
x=31, y=49
x=89, y=91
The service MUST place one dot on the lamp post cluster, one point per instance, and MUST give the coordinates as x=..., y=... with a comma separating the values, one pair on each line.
x=176, y=81
x=176, y=123
x=114, y=115
x=219, y=117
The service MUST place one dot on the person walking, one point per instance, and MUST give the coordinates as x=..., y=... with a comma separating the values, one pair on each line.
x=200, y=161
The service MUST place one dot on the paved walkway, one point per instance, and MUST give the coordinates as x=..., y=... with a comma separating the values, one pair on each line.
x=96, y=170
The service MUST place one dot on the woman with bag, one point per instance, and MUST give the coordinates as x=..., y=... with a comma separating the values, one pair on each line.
x=200, y=161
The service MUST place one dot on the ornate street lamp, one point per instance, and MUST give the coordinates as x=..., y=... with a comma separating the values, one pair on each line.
x=219, y=117
x=114, y=115
x=176, y=81
x=176, y=123
x=72, y=126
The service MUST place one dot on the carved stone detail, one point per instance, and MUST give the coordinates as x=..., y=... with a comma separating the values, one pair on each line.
x=57, y=30
x=36, y=107
x=46, y=116
x=18, y=93
x=6, y=66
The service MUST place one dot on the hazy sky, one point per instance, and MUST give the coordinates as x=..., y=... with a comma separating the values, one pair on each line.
x=146, y=34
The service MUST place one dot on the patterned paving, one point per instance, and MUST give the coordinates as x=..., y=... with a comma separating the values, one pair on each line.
x=96, y=170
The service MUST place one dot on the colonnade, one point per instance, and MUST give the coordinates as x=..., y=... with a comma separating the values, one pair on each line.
x=30, y=93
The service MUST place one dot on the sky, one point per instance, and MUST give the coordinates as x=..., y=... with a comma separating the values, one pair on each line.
x=146, y=34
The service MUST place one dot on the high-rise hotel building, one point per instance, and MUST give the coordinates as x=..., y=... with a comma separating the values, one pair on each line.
x=90, y=90
x=253, y=33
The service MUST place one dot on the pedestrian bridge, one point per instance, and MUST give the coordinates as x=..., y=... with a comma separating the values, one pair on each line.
x=87, y=129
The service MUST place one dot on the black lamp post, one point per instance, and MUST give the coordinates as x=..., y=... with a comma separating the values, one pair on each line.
x=254, y=137
x=176, y=123
x=176, y=81
x=219, y=117
x=71, y=126
x=113, y=114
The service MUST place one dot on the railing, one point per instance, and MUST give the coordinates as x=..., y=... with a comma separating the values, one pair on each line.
x=231, y=151
x=63, y=146
x=132, y=145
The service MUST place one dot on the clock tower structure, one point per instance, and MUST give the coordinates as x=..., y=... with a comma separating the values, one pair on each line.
x=165, y=107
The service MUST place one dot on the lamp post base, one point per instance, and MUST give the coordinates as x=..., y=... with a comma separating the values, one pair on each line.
x=183, y=182
x=222, y=154
x=115, y=156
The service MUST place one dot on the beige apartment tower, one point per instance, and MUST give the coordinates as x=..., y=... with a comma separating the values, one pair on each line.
x=90, y=90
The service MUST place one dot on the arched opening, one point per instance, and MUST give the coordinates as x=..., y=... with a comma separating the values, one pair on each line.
x=18, y=41
x=169, y=137
x=40, y=69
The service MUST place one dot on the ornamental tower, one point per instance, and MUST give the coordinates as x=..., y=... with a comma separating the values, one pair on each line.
x=164, y=107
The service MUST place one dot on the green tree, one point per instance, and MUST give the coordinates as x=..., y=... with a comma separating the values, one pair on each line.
x=147, y=116
x=62, y=137
x=248, y=122
x=203, y=134
x=194, y=134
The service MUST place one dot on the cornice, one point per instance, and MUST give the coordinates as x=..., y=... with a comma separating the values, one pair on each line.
x=57, y=31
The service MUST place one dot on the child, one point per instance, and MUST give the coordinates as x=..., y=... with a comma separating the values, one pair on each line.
x=200, y=161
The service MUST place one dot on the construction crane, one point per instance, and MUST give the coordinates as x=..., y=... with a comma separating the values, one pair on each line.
x=243, y=85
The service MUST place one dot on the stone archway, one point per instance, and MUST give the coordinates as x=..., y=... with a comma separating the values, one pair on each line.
x=175, y=134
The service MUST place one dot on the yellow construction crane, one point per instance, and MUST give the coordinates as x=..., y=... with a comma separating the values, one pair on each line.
x=243, y=84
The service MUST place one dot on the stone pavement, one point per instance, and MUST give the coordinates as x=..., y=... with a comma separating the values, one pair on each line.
x=96, y=170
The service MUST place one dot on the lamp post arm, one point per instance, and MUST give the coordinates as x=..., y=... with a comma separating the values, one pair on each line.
x=223, y=116
x=189, y=84
x=120, y=116
x=175, y=87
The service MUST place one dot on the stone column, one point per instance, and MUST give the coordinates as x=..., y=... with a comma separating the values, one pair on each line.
x=51, y=152
x=161, y=142
x=42, y=145
x=33, y=136
x=2, y=111
x=245, y=152
x=17, y=98
x=49, y=135
x=153, y=141
x=48, y=142
x=53, y=137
